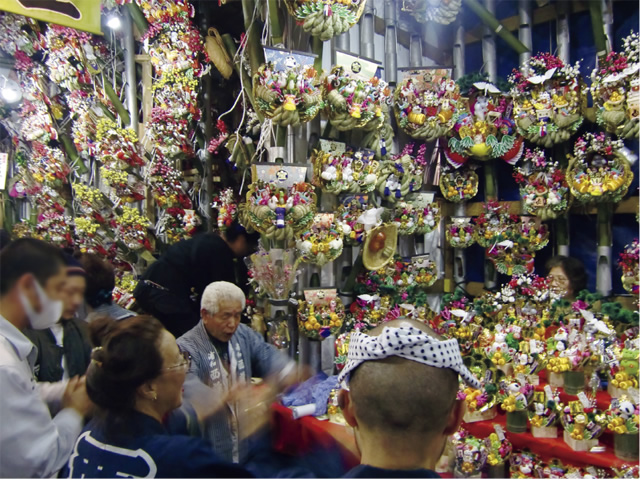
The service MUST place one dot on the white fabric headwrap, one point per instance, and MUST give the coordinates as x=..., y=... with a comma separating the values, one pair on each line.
x=409, y=343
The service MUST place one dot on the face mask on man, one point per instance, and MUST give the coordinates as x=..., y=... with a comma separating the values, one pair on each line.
x=50, y=310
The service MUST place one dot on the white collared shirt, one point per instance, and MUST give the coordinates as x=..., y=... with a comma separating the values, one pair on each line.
x=32, y=443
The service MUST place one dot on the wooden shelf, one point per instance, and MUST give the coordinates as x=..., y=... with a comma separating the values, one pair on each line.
x=473, y=209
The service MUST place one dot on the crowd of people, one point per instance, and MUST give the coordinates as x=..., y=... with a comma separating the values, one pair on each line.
x=90, y=389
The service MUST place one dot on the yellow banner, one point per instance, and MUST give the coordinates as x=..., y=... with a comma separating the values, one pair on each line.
x=78, y=14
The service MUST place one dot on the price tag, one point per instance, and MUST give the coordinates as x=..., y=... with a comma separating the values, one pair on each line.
x=584, y=400
x=516, y=330
x=533, y=346
x=592, y=471
x=521, y=378
x=548, y=392
x=634, y=393
x=499, y=431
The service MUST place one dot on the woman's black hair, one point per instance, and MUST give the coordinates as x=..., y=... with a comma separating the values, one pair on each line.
x=236, y=230
x=126, y=355
x=573, y=269
x=101, y=280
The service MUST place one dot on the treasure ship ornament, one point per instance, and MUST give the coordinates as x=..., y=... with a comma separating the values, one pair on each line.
x=598, y=171
x=278, y=212
x=484, y=129
x=326, y=18
x=615, y=88
x=351, y=101
x=549, y=98
x=543, y=185
x=459, y=185
x=427, y=104
x=290, y=96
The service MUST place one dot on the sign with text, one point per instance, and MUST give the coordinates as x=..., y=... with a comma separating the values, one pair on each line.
x=78, y=14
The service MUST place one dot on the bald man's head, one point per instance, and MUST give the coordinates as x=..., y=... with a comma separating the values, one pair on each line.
x=400, y=396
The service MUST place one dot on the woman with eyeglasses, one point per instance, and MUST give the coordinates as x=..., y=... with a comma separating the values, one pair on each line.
x=567, y=276
x=135, y=378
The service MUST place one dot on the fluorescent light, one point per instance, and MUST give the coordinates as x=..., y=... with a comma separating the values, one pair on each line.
x=114, y=22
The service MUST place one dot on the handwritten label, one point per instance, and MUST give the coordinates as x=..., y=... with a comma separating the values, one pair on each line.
x=634, y=393
x=499, y=431
x=584, y=400
x=4, y=166
x=548, y=392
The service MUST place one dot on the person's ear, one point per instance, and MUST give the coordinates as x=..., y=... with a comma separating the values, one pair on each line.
x=203, y=315
x=26, y=285
x=147, y=391
x=455, y=417
x=345, y=403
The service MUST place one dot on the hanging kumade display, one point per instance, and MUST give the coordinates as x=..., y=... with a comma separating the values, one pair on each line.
x=485, y=128
x=426, y=103
x=354, y=93
x=459, y=232
x=459, y=185
x=543, y=186
x=286, y=88
x=599, y=171
x=417, y=215
x=549, y=98
x=352, y=215
x=401, y=175
x=279, y=203
x=341, y=169
x=320, y=314
x=615, y=88
x=227, y=206
x=438, y=11
x=325, y=19
x=322, y=242
x=628, y=262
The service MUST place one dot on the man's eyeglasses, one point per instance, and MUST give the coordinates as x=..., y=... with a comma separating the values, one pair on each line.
x=186, y=362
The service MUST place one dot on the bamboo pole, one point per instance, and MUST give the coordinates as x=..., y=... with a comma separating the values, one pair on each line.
x=72, y=153
x=276, y=27
x=130, y=70
x=113, y=97
x=390, y=43
x=458, y=50
x=252, y=27
x=230, y=45
x=525, y=12
x=605, y=241
x=562, y=32
x=138, y=17
x=490, y=21
x=490, y=180
x=366, y=32
x=595, y=9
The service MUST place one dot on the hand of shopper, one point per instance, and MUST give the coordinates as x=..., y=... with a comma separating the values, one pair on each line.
x=254, y=411
x=75, y=396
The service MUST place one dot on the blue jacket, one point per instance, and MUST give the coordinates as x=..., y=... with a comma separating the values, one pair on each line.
x=146, y=449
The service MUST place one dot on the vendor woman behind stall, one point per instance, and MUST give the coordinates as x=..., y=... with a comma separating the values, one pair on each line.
x=567, y=276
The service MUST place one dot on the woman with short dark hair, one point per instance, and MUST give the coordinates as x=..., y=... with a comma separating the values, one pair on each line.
x=135, y=378
x=567, y=276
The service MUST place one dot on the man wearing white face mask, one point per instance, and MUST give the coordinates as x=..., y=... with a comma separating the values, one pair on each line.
x=32, y=443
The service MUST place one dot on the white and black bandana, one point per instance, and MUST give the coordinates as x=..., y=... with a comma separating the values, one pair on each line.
x=409, y=343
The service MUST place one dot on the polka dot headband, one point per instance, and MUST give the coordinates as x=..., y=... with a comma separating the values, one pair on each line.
x=409, y=343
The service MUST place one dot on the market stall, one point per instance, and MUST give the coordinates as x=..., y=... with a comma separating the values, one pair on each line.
x=430, y=179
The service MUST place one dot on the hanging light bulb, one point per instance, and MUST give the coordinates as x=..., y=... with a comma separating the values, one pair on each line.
x=114, y=22
x=10, y=91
